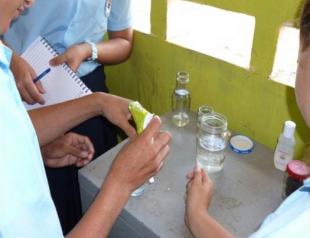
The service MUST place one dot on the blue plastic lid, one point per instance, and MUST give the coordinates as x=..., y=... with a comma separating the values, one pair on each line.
x=241, y=144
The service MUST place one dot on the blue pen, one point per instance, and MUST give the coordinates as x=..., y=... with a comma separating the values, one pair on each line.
x=40, y=76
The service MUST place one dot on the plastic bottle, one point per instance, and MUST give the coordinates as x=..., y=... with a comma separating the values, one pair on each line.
x=297, y=171
x=285, y=148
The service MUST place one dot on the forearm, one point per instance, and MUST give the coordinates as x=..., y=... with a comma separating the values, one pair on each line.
x=113, y=51
x=52, y=121
x=100, y=217
x=205, y=226
x=117, y=49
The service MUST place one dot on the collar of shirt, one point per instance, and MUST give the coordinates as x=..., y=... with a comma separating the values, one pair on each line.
x=5, y=55
x=307, y=182
x=306, y=187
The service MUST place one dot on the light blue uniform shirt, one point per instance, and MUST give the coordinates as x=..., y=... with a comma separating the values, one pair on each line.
x=67, y=22
x=26, y=207
x=290, y=220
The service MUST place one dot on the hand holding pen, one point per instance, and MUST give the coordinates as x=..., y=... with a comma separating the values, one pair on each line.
x=24, y=74
x=41, y=75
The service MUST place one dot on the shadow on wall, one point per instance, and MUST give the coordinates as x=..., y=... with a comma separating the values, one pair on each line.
x=302, y=131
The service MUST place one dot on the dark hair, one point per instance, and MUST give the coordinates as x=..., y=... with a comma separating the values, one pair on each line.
x=305, y=26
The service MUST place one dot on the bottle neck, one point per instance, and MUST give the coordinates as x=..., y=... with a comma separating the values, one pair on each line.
x=289, y=129
x=182, y=80
x=181, y=85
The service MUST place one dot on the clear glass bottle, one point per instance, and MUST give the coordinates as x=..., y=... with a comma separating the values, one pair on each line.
x=203, y=111
x=181, y=100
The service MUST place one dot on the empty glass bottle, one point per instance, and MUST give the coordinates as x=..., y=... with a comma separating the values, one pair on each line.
x=181, y=100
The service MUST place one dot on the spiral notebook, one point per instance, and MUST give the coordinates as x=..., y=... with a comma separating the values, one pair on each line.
x=60, y=83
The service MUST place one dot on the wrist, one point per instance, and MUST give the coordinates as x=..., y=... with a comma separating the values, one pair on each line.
x=195, y=215
x=115, y=185
x=196, y=220
x=86, y=50
x=93, y=51
x=14, y=61
x=100, y=99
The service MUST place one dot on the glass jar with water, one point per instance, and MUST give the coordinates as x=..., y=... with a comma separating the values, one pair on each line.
x=212, y=136
x=181, y=100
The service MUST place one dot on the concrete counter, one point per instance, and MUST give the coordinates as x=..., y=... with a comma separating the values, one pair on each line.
x=248, y=188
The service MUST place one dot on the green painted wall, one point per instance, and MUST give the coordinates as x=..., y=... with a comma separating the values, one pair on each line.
x=253, y=104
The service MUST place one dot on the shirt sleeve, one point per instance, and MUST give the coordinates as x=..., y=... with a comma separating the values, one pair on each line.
x=121, y=15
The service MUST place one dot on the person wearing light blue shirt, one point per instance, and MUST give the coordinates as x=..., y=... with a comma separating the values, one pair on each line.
x=75, y=28
x=292, y=218
x=25, y=197
x=75, y=23
x=26, y=207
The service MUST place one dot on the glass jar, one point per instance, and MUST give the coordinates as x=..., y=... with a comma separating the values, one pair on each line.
x=296, y=172
x=212, y=137
x=181, y=100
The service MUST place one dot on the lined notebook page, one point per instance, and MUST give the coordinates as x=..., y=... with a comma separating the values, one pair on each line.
x=61, y=83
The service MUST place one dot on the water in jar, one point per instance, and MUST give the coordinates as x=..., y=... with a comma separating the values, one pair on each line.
x=211, y=152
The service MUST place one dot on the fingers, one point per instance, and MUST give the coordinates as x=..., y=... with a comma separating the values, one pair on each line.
x=62, y=162
x=197, y=176
x=160, y=157
x=38, y=84
x=152, y=129
x=189, y=185
x=40, y=87
x=204, y=176
x=58, y=60
x=71, y=57
x=87, y=145
x=29, y=91
x=72, y=150
x=34, y=93
x=162, y=139
x=82, y=143
x=190, y=175
x=25, y=96
x=82, y=162
x=128, y=129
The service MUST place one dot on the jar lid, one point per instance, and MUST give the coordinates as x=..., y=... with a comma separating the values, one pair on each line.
x=241, y=144
x=298, y=170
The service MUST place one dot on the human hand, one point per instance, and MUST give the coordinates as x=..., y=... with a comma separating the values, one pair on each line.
x=24, y=74
x=142, y=158
x=73, y=56
x=199, y=190
x=69, y=149
x=115, y=109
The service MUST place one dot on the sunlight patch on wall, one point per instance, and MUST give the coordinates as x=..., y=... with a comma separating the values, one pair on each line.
x=285, y=63
x=142, y=15
x=222, y=34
